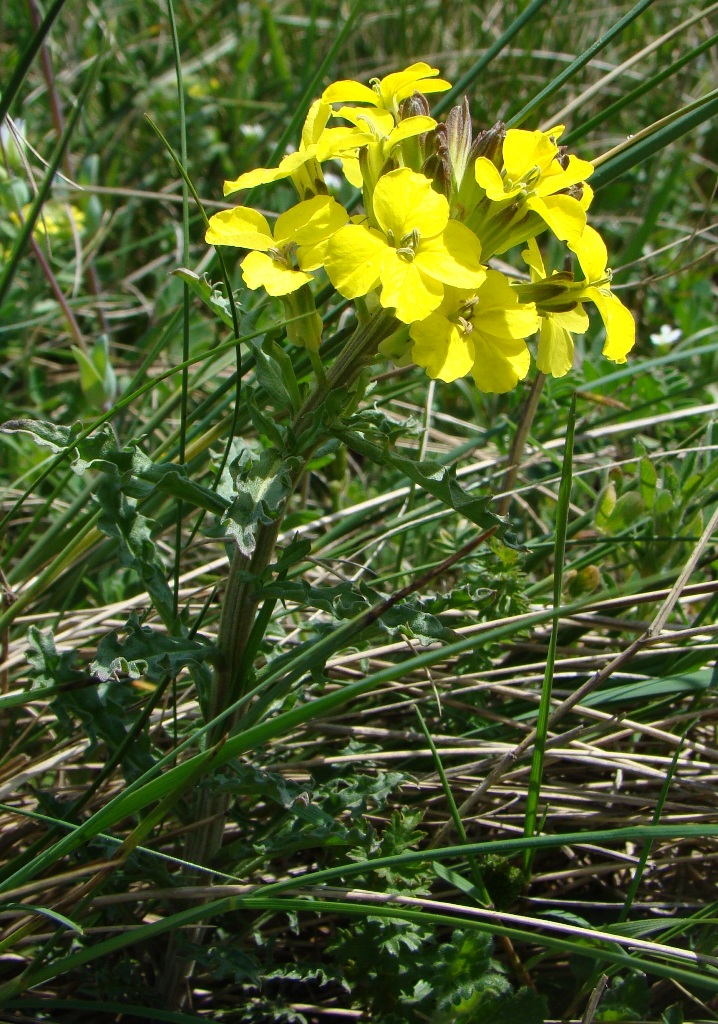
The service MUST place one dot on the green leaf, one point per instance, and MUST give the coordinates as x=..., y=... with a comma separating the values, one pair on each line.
x=209, y=293
x=53, y=915
x=263, y=486
x=626, y=999
x=148, y=653
x=102, y=707
x=248, y=780
x=523, y=1007
x=97, y=377
x=265, y=424
x=276, y=375
x=342, y=601
x=458, y=882
x=629, y=508
x=120, y=520
x=408, y=618
x=605, y=506
x=50, y=435
x=648, y=480
x=439, y=481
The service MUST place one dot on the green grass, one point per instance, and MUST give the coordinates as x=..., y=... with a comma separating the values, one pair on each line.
x=561, y=766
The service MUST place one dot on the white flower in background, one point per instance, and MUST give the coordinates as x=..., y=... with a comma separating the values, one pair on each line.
x=667, y=335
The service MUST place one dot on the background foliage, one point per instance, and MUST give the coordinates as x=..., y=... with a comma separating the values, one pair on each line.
x=101, y=678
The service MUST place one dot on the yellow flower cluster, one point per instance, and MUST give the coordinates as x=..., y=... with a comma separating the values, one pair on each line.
x=438, y=205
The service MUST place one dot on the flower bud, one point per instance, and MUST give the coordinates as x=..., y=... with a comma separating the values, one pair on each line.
x=414, y=106
x=458, y=140
x=489, y=143
x=438, y=168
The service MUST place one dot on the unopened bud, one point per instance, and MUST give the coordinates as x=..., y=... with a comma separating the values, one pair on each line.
x=438, y=169
x=414, y=106
x=489, y=143
x=458, y=139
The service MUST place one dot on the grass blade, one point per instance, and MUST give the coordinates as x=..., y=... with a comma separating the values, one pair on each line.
x=529, y=108
x=564, y=498
x=623, y=158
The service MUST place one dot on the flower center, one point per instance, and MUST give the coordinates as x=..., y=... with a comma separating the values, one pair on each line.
x=408, y=245
x=283, y=254
x=463, y=317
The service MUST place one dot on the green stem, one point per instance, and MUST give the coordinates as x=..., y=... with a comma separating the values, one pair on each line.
x=241, y=598
x=239, y=614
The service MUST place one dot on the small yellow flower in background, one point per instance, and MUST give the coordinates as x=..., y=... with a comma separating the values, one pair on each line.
x=480, y=333
x=534, y=172
x=57, y=220
x=303, y=230
x=412, y=254
x=387, y=93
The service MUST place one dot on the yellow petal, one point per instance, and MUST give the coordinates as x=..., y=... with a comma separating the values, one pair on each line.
x=453, y=257
x=310, y=222
x=587, y=197
x=354, y=259
x=499, y=364
x=574, y=320
x=315, y=123
x=407, y=290
x=370, y=119
x=311, y=257
x=620, y=325
x=522, y=151
x=336, y=142
x=410, y=127
x=491, y=181
x=400, y=84
x=510, y=323
x=404, y=200
x=242, y=227
x=352, y=171
x=563, y=214
x=532, y=257
x=348, y=91
x=260, y=271
x=555, y=348
x=442, y=348
x=259, y=176
x=592, y=254
x=426, y=85
x=558, y=178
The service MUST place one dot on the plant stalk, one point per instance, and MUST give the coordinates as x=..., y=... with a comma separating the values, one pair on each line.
x=239, y=612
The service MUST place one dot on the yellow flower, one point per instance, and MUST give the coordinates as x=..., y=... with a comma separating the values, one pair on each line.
x=480, y=333
x=555, y=347
x=387, y=93
x=620, y=325
x=412, y=254
x=302, y=166
x=533, y=173
x=373, y=130
x=558, y=299
x=57, y=220
x=304, y=229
